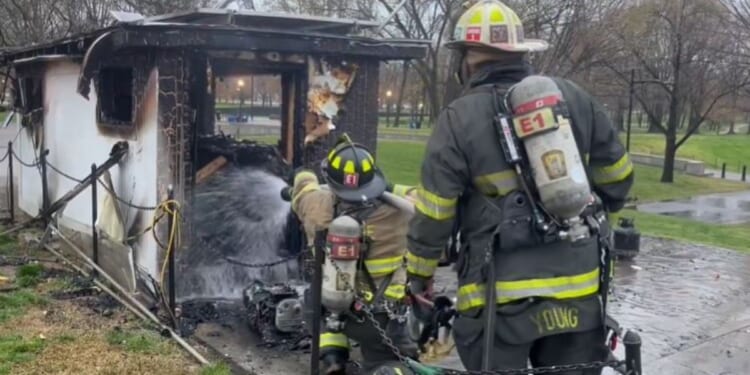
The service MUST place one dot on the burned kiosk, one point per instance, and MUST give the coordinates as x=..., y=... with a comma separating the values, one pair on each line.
x=149, y=86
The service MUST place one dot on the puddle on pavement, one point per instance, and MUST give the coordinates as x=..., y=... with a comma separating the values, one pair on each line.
x=674, y=295
x=732, y=208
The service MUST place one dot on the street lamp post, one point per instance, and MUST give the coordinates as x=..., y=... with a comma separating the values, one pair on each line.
x=388, y=107
x=240, y=86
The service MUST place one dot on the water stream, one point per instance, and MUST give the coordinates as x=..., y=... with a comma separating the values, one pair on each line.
x=238, y=213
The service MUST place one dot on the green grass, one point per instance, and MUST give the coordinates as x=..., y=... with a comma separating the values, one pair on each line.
x=216, y=369
x=15, y=303
x=648, y=188
x=736, y=237
x=401, y=161
x=16, y=349
x=8, y=246
x=29, y=275
x=137, y=341
x=710, y=149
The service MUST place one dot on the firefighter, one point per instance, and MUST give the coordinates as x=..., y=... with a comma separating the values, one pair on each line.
x=355, y=185
x=548, y=292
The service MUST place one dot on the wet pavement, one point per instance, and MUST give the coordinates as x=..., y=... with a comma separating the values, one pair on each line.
x=729, y=208
x=688, y=302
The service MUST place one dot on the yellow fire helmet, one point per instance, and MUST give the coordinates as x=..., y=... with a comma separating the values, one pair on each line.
x=490, y=24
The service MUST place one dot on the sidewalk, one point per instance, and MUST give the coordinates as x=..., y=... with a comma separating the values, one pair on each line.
x=730, y=175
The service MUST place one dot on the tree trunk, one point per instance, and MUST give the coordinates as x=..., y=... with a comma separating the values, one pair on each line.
x=653, y=126
x=670, y=151
x=620, y=115
x=404, y=76
x=731, y=128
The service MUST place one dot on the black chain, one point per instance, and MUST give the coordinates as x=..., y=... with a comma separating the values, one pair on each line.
x=261, y=265
x=69, y=177
x=129, y=204
x=30, y=165
x=7, y=153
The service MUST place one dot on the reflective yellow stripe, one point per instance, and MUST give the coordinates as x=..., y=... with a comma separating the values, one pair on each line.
x=366, y=166
x=337, y=340
x=395, y=292
x=564, y=287
x=613, y=173
x=336, y=163
x=497, y=184
x=470, y=296
x=312, y=186
x=349, y=167
x=304, y=176
x=384, y=266
x=420, y=266
x=402, y=190
x=435, y=206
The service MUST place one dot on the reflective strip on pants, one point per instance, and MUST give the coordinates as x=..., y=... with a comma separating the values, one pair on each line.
x=563, y=287
x=395, y=292
x=497, y=184
x=420, y=266
x=616, y=172
x=435, y=206
x=384, y=266
x=334, y=340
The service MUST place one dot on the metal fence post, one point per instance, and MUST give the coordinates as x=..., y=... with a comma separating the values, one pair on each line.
x=45, y=187
x=170, y=258
x=94, y=214
x=12, y=198
x=723, y=170
x=744, y=173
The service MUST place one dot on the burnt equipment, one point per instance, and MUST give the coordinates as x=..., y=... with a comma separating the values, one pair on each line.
x=627, y=239
x=275, y=312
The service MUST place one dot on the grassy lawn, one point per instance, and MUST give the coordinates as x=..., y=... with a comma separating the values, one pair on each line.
x=710, y=149
x=40, y=333
x=401, y=162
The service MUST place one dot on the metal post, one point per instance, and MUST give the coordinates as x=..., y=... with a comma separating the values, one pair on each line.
x=630, y=109
x=723, y=170
x=12, y=198
x=170, y=258
x=744, y=173
x=315, y=297
x=632, y=343
x=94, y=214
x=45, y=190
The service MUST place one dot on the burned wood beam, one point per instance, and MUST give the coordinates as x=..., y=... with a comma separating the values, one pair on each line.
x=211, y=168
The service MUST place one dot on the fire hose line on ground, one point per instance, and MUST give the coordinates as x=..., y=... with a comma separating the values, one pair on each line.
x=261, y=265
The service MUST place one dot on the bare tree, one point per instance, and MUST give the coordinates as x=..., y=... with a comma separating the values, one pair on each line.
x=677, y=47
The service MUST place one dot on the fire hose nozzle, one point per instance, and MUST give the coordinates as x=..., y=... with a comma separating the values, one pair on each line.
x=286, y=193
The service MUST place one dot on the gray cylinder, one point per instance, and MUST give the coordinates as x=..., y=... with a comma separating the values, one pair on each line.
x=547, y=136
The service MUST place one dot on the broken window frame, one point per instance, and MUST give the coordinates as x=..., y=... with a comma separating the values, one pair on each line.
x=24, y=101
x=102, y=92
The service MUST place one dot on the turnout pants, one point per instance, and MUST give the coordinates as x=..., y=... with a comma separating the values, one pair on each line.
x=560, y=349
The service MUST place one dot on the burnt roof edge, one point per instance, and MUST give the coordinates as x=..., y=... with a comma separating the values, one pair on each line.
x=211, y=37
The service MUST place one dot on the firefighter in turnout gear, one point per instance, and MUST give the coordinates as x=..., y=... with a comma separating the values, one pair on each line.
x=547, y=286
x=355, y=186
